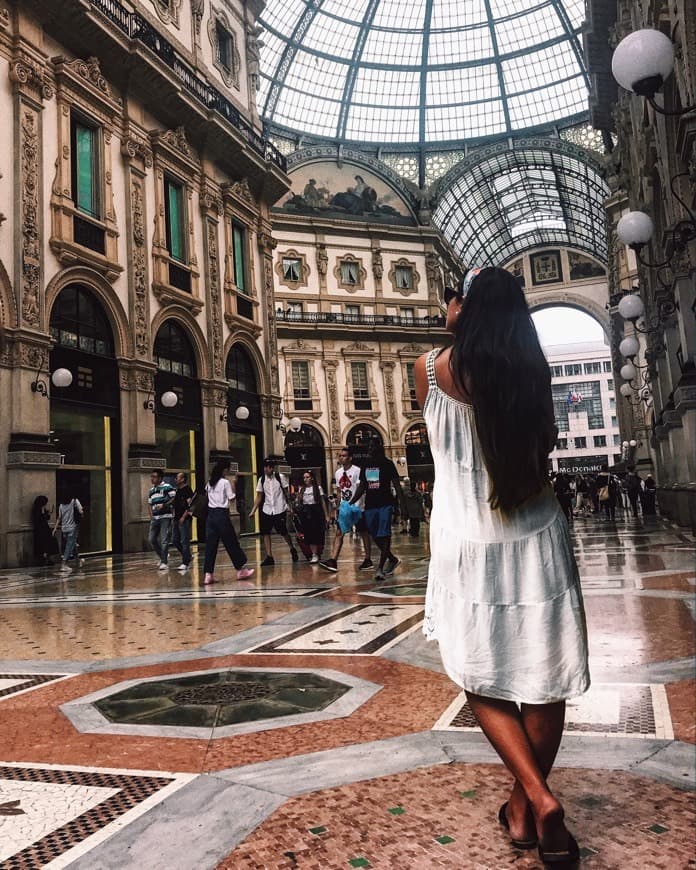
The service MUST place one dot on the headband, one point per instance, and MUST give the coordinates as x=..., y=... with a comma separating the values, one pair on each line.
x=468, y=281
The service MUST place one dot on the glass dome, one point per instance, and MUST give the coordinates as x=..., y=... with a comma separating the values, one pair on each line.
x=421, y=71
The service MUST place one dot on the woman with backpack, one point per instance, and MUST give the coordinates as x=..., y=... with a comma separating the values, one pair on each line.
x=219, y=526
x=503, y=600
x=70, y=513
x=314, y=514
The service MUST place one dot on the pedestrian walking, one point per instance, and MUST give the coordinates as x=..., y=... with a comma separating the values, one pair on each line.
x=160, y=500
x=45, y=544
x=633, y=485
x=68, y=518
x=183, y=520
x=272, y=500
x=413, y=500
x=346, y=481
x=219, y=526
x=313, y=513
x=503, y=598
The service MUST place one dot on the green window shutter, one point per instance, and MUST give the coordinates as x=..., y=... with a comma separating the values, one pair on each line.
x=174, y=216
x=85, y=198
x=239, y=260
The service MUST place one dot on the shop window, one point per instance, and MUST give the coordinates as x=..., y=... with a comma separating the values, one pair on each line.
x=173, y=352
x=301, y=385
x=85, y=377
x=85, y=166
x=175, y=219
x=78, y=321
x=361, y=387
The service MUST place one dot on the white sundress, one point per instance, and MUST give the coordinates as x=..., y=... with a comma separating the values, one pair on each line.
x=503, y=599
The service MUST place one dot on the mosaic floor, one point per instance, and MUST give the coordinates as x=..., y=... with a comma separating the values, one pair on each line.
x=300, y=720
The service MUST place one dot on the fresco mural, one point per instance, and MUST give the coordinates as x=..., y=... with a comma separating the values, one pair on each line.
x=344, y=192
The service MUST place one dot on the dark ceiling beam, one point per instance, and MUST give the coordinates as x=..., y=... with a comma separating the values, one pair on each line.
x=427, y=21
x=354, y=67
x=604, y=93
x=498, y=65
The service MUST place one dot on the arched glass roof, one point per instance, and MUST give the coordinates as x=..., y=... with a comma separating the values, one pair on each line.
x=421, y=71
x=498, y=205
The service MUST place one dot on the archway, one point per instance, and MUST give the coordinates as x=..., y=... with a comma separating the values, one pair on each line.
x=85, y=416
x=178, y=430
x=358, y=439
x=419, y=459
x=582, y=387
x=304, y=451
x=245, y=434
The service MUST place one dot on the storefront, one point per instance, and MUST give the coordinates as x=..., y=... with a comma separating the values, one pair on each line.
x=245, y=434
x=304, y=451
x=358, y=439
x=178, y=428
x=419, y=459
x=85, y=417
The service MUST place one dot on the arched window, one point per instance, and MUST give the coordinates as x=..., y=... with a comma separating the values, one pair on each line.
x=307, y=436
x=240, y=371
x=360, y=435
x=173, y=350
x=78, y=322
x=417, y=434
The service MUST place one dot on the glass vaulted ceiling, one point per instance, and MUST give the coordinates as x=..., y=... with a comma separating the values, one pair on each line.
x=421, y=72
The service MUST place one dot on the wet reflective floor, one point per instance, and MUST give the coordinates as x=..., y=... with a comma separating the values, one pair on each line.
x=299, y=719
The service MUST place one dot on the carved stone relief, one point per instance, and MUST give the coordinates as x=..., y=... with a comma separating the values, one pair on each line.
x=168, y=10
x=213, y=282
x=30, y=279
x=31, y=77
x=141, y=313
x=330, y=366
x=387, y=367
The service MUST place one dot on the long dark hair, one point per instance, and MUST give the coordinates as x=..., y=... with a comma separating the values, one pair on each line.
x=315, y=489
x=496, y=358
x=218, y=472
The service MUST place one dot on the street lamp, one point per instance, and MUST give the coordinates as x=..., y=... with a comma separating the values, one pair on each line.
x=60, y=378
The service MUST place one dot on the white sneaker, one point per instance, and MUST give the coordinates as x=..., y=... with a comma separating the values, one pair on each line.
x=183, y=567
x=163, y=566
x=314, y=560
x=81, y=563
x=65, y=569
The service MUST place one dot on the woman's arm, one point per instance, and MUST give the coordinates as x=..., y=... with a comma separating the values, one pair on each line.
x=421, y=377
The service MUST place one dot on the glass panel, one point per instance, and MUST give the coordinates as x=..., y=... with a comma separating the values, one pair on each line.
x=243, y=450
x=174, y=442
x=174, y=216
x=85, y=198
x=238, y=240
x=79, y=434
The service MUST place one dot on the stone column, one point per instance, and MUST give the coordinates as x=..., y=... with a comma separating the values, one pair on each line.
x=270, y=404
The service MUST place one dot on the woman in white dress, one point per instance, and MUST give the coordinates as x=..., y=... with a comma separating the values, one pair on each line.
x=503, y=598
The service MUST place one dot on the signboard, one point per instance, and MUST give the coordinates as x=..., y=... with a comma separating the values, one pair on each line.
x=582, y=464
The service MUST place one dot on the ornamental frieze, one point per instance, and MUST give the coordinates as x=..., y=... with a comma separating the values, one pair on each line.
x=214, y=308
x=30, y=247
x=28, y=75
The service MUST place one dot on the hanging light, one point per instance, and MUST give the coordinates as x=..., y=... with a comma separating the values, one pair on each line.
x=631, y=307
x=628, y=371
x=629, y=347
x=295, y=424
x=625, y=390
x=242, y=412
x=633, y=443
x=169, y=399
x=642, y=61
x=635, y=229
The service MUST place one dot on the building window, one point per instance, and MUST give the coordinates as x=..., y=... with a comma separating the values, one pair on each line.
x=361, y=388
x=301, y=385
x=576, y=396
x=562, y=444
x=175, y=219
x=350, y=272
x=78, y=322
x=239, y=257
x=408, y=314
x=612, y=403
x=403, y=277
x=173, y=352
x=593, y=368
x=614, y=422
x=86, y=175
x=352, y=313
x=610, y=384
x=617, y=439
x=573, y=369
x=411, y=384
x=224, y=46
x=581, y=442
x=607, y=365
x=292, y=270
x=556, y=371
x=600, y=441
x=294, y=311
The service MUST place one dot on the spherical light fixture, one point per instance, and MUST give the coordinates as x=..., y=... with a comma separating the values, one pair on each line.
x=642, y=61
x=625, y=390
x=169, y=399
x=242, y=413
x=631, y=307
x=625, y=445
x=632, y=443
x=629, y=347
x=295, y=424
x=62, y=378
x=628, y=371
x=635, y=229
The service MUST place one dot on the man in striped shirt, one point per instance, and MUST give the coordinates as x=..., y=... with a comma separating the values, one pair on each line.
x=160, y=500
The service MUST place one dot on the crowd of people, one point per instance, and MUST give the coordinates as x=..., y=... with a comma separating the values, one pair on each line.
x=604, y=493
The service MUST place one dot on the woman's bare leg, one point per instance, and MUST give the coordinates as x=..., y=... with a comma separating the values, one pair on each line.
x=502, y=723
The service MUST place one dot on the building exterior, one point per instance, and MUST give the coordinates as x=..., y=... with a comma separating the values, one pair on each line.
x=584, y=400
x=358, y=298
x=135, y=252
x=651, y=169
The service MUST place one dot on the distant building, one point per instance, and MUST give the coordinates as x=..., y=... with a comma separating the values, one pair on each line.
x=584, y=403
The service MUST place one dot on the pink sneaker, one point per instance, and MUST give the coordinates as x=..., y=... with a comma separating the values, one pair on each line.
x=245, y=573
x=209, y=579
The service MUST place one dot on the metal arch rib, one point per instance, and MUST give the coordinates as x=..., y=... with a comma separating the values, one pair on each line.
x=498, y=65
x=347, y=99
x=573, y=39
x=291, y=48
x=425, y=53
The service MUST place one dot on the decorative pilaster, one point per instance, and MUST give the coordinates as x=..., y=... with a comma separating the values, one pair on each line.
x=266, y=244
x=211, y=210
x=387, y=367
x=330, y=366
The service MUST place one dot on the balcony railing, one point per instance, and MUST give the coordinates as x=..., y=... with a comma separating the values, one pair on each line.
x=136, y=27
x=434, y=322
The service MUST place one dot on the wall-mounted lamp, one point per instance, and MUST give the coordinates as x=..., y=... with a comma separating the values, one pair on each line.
x=294, y=424
x=401, y=460
x=641, y=64
x=631, y=308
x=241, y=413
x=168, y=400
x=59, y=378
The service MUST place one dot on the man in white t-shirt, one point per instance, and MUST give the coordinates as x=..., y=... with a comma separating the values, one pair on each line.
x=346, y=480
x=272, y=498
